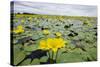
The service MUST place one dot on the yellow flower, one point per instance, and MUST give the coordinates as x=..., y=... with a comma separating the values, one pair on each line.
x=52, y=43
x=55, y=43
x=46, y=32
x=43, y=45
x=58, y=34
x=19, y=29
x=49, y=40
x=60, y=42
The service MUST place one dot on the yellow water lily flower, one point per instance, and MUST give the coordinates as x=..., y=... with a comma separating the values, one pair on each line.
x=46, y=32
x=55, y=43
x=60, y=42
x=52, y=43
x=58, y=34
x=43, y=45
x=19, y=29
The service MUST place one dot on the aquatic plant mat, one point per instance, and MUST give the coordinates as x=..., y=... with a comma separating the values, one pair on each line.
x=44, y=39
x=38, y=39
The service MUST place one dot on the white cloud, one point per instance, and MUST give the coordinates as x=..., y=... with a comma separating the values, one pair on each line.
x=55, y=9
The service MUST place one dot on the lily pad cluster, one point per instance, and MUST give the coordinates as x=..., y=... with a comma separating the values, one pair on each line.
x=45, y=39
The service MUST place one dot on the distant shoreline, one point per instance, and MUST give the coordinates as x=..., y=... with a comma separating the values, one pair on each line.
x=29, y=14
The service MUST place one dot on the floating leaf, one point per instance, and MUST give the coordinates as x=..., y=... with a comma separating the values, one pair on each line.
x=35, y=61
x=35, y=36
x=70, y=57
x=31, y=47
x=93, y=53
x=26, y=62
x=18, y=57
x=43, y=59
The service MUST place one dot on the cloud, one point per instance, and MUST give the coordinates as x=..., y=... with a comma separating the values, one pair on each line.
x=55, y=9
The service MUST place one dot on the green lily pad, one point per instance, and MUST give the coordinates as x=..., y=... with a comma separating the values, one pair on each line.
x=26, y=62
x=35, y=36
x=93, y=53
x=43, y=59
x=70, y=57
x=35, y=61
x=18, y=57
x=31, y=47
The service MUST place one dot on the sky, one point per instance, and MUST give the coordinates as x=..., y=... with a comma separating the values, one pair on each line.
x=54, y=8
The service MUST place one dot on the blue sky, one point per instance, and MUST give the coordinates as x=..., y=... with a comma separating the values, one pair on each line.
x=55, y=9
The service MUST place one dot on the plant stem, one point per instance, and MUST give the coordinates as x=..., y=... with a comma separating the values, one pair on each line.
x=52, y=54
x=56, y=55
x=49, y=54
